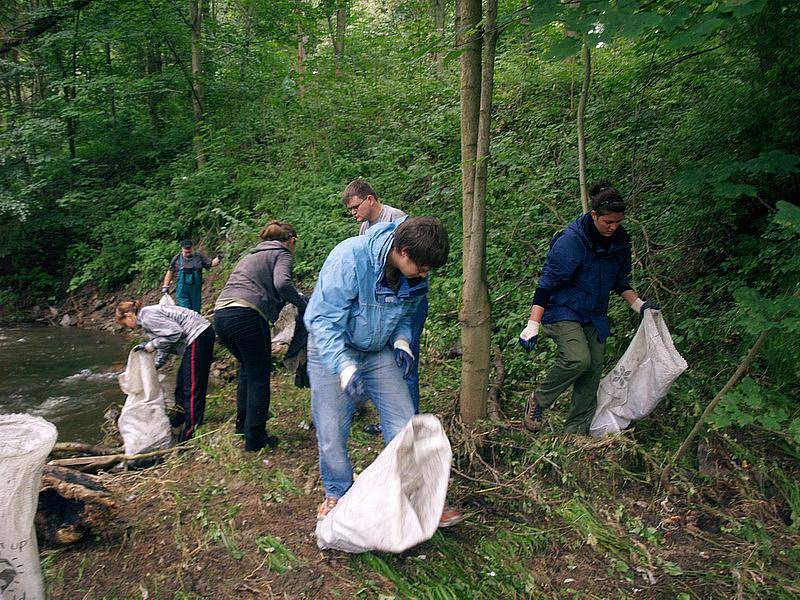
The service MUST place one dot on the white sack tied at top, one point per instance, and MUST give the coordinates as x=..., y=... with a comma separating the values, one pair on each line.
x=640, y=379
x=396, y=502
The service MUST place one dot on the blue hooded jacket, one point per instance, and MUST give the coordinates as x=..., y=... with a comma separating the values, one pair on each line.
x=580, y=274
x=351, y=310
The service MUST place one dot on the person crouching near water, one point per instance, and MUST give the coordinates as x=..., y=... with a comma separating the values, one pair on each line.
x=256, y=291
x=181, y=331
x=585, y=263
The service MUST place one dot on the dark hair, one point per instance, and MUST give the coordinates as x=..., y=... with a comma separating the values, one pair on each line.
x=424, y=239
x=358, y=187
x=186, y=243
x=277, y=230
x=606, y=198
x=125, y=307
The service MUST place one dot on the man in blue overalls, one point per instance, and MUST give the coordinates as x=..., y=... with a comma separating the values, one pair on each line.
x=187, y=268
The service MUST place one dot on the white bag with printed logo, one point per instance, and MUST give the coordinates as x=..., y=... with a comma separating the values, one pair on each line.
x=641, y=378
x=143, y=422
x=25, y=442
x=396, y=502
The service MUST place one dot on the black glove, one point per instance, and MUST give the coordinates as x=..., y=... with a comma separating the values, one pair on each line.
x=140, y=347
x=405, y=361
x=161, y=360
x=220, y=255
x=650, y=305
x=355, y=389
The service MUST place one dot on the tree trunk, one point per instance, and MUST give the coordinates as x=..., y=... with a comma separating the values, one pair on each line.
x=438, y=13
x=301, y=59
x=587, y=76
x=17, y=82
x=526, y=30
x=196, y=20
x=338, y=44
x=153, y=66
x=476, y=108
x=112, y=105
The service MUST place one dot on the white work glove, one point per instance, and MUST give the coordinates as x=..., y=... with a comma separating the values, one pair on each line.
x=529, y=335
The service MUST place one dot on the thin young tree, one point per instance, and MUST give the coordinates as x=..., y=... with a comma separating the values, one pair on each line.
x=196, y=22
x=477, y=82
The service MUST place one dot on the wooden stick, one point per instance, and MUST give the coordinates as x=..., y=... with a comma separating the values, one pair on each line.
x=81, y=448
x=734, y=379
x=495, y=413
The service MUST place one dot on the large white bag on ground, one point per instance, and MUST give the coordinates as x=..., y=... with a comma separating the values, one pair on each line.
x=25, y=442
x=143, y=422
x=396, y=502
x=641, y=378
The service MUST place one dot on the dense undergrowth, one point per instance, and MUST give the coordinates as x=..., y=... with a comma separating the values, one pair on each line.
x=702, y=139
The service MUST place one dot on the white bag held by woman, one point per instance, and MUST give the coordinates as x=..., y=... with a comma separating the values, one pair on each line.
x=25, y=442
x=396, y=502
x=641, y=378
x=143, y=422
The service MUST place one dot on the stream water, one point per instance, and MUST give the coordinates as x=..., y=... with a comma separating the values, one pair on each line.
x=64, y=374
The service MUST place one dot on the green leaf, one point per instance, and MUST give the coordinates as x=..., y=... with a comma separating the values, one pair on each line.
x=730, y=189
x=788, y=215
x=563, y=49
x=696, y=34
x=773, y=161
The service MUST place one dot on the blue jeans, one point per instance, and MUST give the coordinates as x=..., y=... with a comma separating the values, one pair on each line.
x=333, y=413
x=416, y=333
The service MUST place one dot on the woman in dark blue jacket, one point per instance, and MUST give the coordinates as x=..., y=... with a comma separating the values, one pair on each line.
x=587, y=261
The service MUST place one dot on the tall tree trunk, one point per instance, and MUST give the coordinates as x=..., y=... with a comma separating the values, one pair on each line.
x=17, y=82
x=587, y=76
x=476, y=108
x=112, y=104
x=153, y=66
x=526, y=30
x=338, y=43
x=196, y=20
x=438, y=13
x=301, y=60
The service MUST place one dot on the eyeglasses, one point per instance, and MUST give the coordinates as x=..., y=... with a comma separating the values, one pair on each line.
x=352, y=209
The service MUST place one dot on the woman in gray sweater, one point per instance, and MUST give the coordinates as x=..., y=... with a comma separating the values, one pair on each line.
x=259, y=287
x=181, y=331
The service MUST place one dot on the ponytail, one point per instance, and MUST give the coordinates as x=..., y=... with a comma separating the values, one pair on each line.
x=278, y=231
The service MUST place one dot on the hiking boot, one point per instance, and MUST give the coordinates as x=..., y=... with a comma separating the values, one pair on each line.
x=450, y=516
x=326, y=507
x=373, y=429
x=533, y=419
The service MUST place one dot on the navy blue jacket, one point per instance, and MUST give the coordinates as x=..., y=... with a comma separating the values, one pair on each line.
x=579, y=275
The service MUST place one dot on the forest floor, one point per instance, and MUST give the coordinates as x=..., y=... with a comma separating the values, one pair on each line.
x=550, y=516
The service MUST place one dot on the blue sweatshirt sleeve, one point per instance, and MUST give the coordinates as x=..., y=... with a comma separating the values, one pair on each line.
x=622, y=282
x=563, y=260
x=329, y=308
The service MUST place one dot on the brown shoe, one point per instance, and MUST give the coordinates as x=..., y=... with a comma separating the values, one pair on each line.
x=534, y=418
x=450, y=516
x=326, y=507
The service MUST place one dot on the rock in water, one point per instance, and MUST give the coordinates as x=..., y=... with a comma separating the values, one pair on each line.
x=71, y=505
x=65, y=321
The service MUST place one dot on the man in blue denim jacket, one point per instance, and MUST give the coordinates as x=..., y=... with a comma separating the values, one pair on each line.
x=359, y=321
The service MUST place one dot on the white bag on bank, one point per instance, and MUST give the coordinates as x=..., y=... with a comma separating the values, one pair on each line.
x=25, y=442
x=143, y=422
x=641, y=378
x=396, y=502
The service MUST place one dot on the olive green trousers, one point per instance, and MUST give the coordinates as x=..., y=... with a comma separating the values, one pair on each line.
x=579, y=364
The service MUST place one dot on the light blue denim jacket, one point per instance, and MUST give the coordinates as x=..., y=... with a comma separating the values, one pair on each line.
x=351, y=310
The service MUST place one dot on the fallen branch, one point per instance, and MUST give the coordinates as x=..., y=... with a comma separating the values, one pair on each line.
x=734, y=379
x=496, y=391
x=81, y=448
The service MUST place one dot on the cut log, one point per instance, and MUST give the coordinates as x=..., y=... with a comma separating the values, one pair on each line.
x=72, y=505
x=66, y=448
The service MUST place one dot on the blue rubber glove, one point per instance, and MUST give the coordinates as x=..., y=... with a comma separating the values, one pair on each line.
x=529, y=336
x=140, y=347
x=354, y=388
x=403, y=357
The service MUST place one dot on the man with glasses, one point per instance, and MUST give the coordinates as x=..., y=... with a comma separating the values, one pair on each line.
x=363, y=204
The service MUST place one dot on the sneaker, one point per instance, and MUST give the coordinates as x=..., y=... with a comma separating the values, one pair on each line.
x=450, y=516
x=534, y=417
x=326, y=507
x=373, y=429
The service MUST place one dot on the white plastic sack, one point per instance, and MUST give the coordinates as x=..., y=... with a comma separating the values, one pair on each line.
x=396, y=502
x=25, y=442
x=166, y=300
x=283, y=331
x=641, y=378
x=143, y=422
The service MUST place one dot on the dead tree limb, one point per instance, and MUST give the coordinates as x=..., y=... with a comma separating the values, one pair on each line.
x=80, y=448
x=495, y=412
x=734, y=379
x=587, y=77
